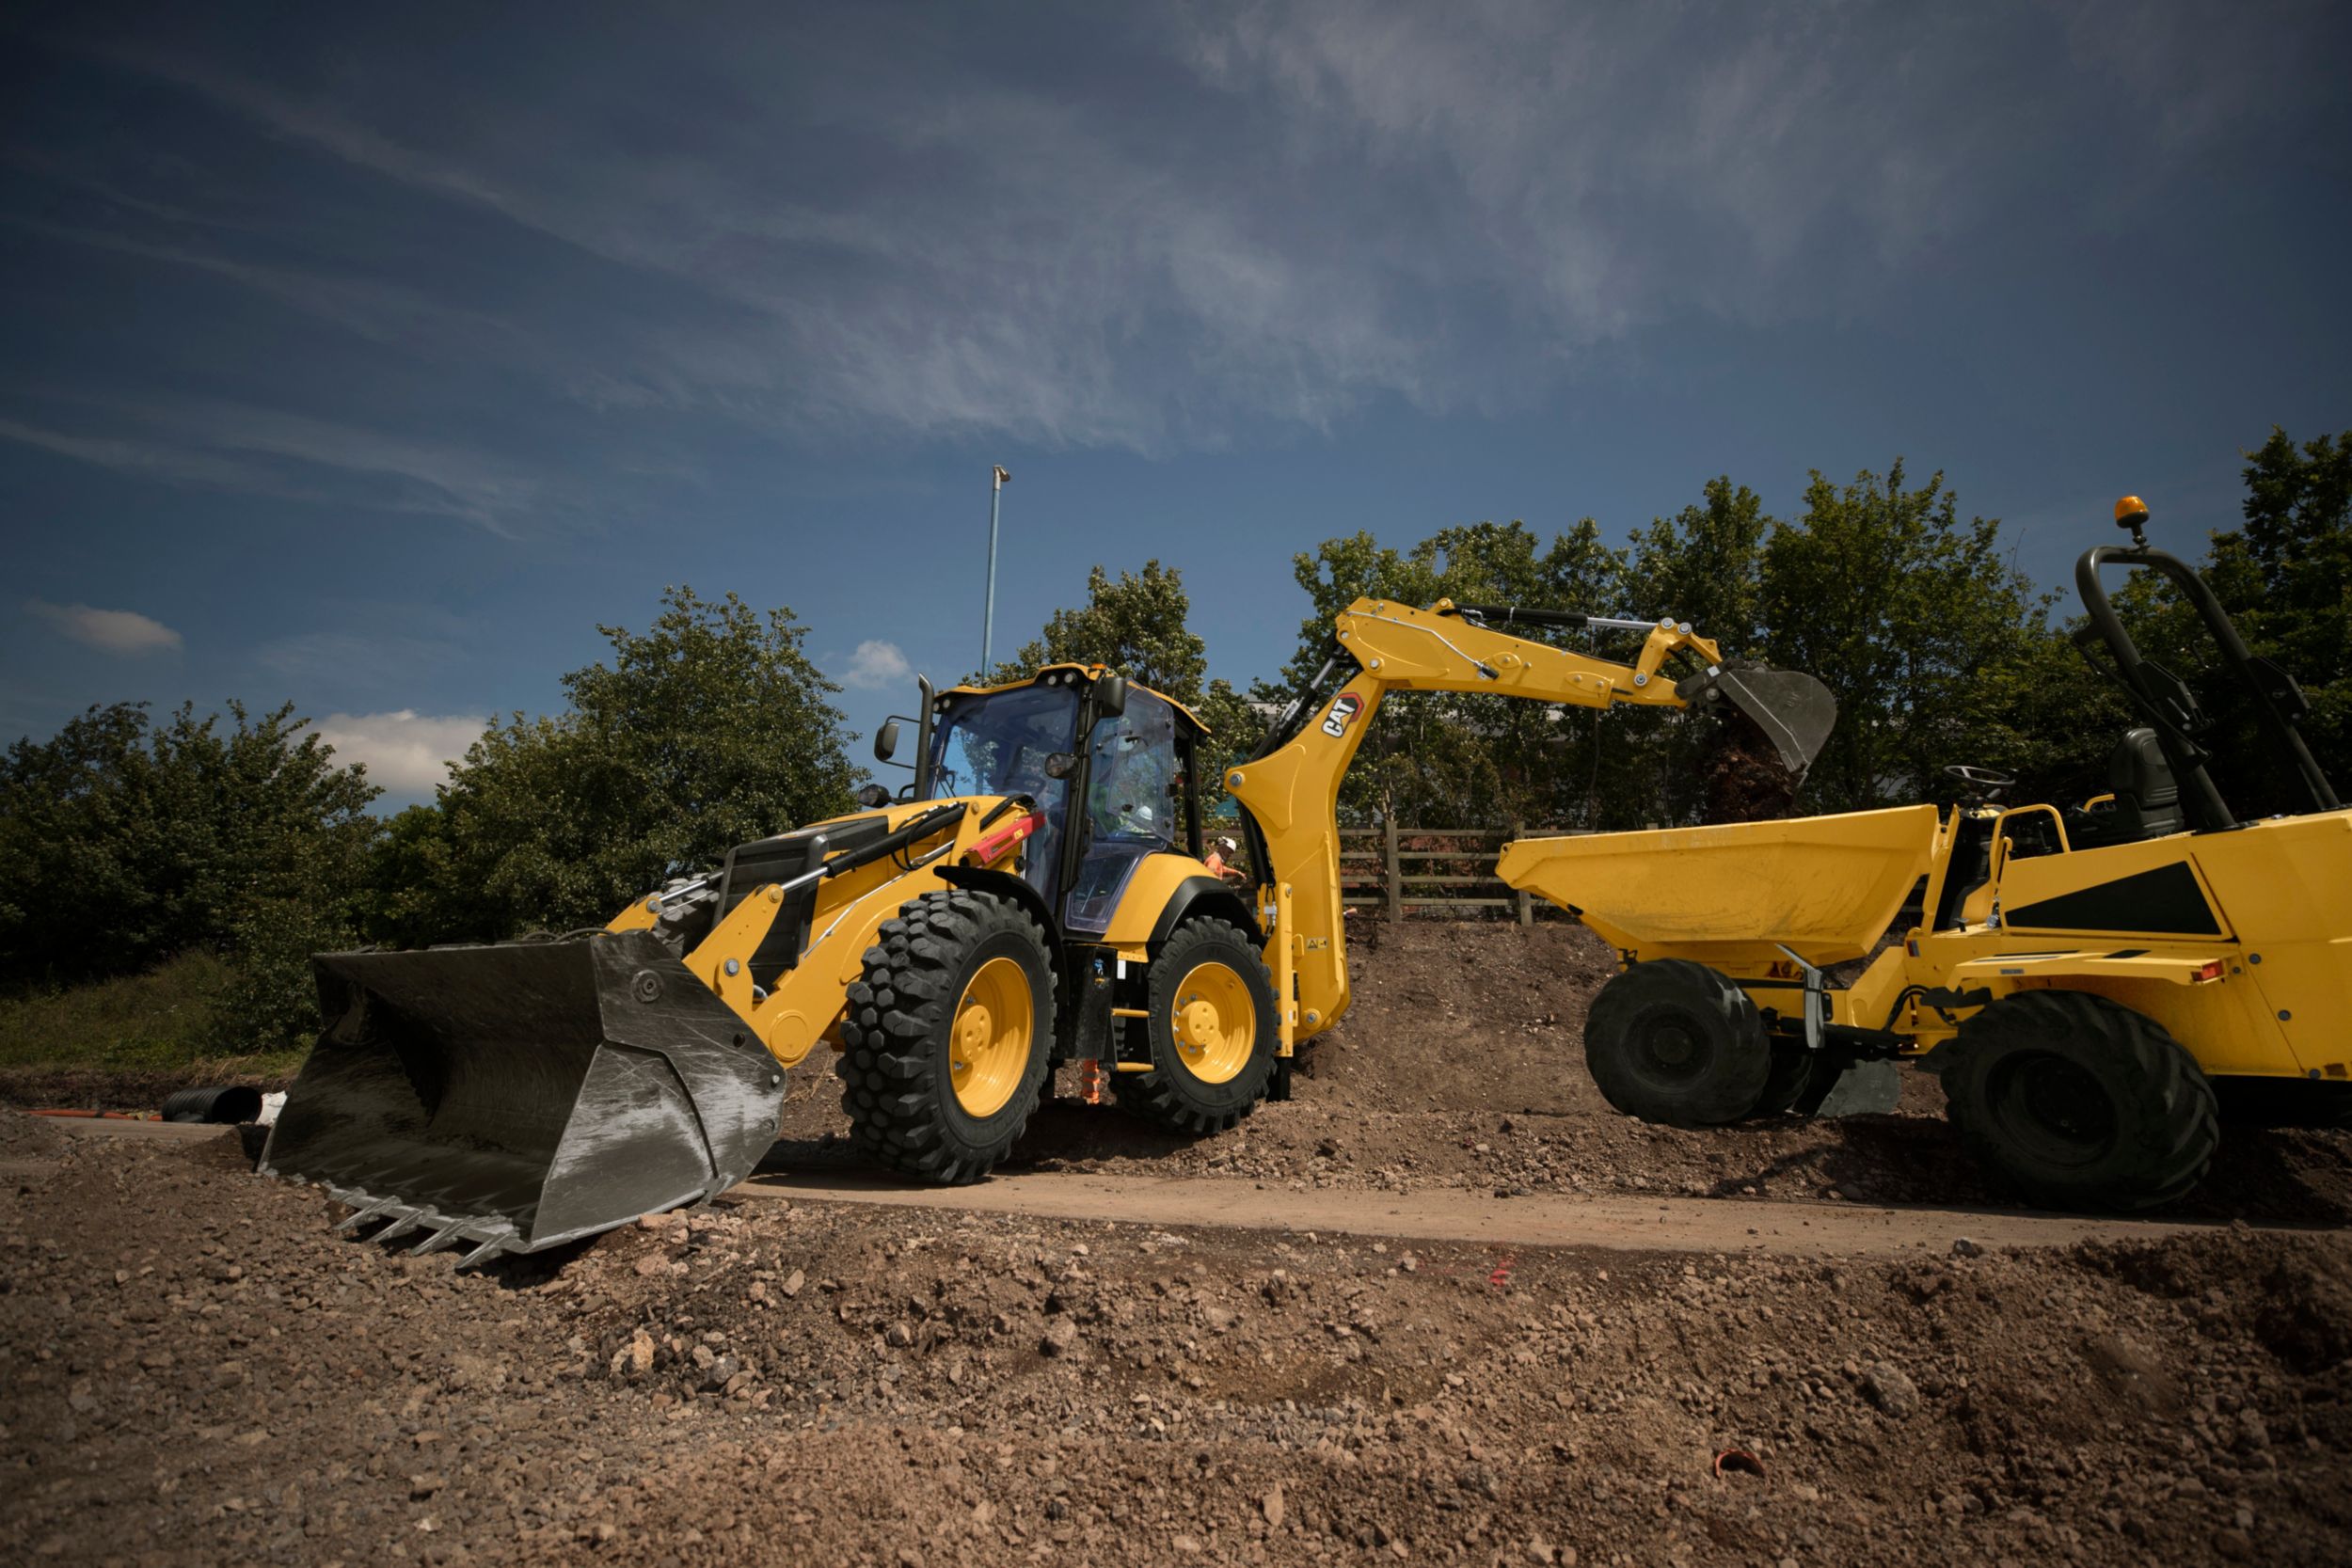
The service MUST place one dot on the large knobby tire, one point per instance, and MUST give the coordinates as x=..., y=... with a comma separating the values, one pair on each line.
x=1677, y=1043
x=948, y=1036
x=1213, y=1032
x=2080, y=1102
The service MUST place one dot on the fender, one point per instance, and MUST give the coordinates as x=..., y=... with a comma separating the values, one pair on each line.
x=1204, y=895
x=1006, y=885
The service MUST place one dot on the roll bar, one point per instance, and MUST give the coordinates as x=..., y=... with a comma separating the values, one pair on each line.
x=2164, y=700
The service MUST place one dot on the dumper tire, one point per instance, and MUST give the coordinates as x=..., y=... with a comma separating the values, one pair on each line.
x=1796, y=1072
x=1675, y=1042
x=2076, y=1102
x=1173, y=1094
x=900, y=1035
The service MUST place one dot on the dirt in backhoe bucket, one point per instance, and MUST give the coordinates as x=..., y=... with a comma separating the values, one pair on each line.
x=1745, y=780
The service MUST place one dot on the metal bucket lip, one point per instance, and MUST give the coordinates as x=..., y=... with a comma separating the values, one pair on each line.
x=650, y=1095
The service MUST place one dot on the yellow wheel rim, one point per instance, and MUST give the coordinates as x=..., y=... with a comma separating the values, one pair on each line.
x=1214, y=1022
x=987, y=1046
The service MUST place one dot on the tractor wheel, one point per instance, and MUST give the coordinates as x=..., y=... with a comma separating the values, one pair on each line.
x=1677, y=1043
x=948, y=1036
x=2080, y=1102
x=1214, y=1031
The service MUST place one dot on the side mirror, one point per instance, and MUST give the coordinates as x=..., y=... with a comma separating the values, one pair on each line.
x=1062, y=765
x=1110, y=695
x=873, y=797
x=886, y=741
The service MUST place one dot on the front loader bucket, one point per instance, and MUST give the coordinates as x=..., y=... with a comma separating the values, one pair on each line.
x=517, y=1096
x=1795, y=711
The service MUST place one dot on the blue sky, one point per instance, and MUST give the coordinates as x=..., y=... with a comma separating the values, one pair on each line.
x=371, y=357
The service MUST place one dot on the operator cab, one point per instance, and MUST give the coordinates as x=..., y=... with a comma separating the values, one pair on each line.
x=1109, y=765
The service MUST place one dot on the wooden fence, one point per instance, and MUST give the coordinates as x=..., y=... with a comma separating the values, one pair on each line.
x=1398, y=870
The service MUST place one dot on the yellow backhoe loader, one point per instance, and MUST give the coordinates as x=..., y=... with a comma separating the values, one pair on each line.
x=1035, y=895
x=2082, y=980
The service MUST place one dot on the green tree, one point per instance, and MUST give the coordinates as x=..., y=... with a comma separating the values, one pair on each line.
x=2287, y=579
x=124, y=842
x=1446, y=757
x=708, y=729
x=1139, y=624
x=1704, y=565
x=1907, y=613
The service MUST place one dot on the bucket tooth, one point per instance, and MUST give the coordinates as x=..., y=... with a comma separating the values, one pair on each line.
x=526, y=1093
x=359, y=1217
x=487, y=1250
x=439, y=1239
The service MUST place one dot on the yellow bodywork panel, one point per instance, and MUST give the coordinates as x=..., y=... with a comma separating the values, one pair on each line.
x=2194, y=967
x=806, y=1002
x=2239, y=943
x=1826, y=887
x=1153, y=881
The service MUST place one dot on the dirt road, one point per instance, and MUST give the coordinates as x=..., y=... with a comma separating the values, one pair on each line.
x=1520, y=1218
x=197, y=1371
x=1455, y=1215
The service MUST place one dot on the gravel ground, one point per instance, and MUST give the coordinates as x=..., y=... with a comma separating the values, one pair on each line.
x=201, y=1372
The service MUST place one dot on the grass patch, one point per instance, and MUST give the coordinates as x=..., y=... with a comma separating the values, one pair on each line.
x=160, y=1023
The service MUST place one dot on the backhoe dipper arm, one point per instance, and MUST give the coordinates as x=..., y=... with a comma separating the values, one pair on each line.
x=1291, y=790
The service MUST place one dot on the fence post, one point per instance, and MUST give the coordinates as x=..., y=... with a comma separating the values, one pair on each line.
x=1527, y=902
x=1396, y=869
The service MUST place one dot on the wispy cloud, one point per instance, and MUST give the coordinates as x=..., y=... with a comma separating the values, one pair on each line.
x=406, y=751
x=296, y=457
x=877, y=666
x=113, y=632
x=1253, y=218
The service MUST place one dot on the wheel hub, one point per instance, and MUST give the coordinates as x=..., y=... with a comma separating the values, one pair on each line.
x=987, y=1046
x=1214, y=1023
x=2054, y=1110
x=1670, y=1050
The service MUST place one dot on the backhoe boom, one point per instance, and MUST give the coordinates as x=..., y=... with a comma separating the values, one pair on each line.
x=1290, y=791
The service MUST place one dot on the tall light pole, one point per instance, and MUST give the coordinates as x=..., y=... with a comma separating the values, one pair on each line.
x=1002, y=476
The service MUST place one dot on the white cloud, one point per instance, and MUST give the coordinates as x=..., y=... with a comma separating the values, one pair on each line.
x=406, y=751
x=113, y=631
x=877, y=666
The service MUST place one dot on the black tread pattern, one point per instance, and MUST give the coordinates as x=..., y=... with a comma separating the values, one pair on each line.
x=1170, y=1098
x=2170, y=1124
x=896, y=1086
x=1742, y=1058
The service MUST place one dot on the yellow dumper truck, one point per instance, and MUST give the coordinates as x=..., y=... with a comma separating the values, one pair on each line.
x=2081, y=979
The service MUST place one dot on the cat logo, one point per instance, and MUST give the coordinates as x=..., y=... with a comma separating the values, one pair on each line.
x=1344, y=708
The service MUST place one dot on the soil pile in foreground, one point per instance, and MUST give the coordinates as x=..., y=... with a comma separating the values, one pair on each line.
x=201, y=1373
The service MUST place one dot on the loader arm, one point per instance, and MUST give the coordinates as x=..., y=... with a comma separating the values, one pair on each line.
x=1291, y=790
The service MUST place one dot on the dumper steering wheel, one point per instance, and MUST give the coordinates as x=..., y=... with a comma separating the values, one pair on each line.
x=1984, y=784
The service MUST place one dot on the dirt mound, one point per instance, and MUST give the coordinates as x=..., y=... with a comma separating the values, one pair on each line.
x=1464, y=1017
x=201, y=1372
x=27, y=1137
x=1461, y=1063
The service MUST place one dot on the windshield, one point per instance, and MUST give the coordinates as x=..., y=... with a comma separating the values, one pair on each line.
x=996, y=743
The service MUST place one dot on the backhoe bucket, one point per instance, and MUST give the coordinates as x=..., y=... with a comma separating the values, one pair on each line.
x=1795, y=711
x=518, y=1096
